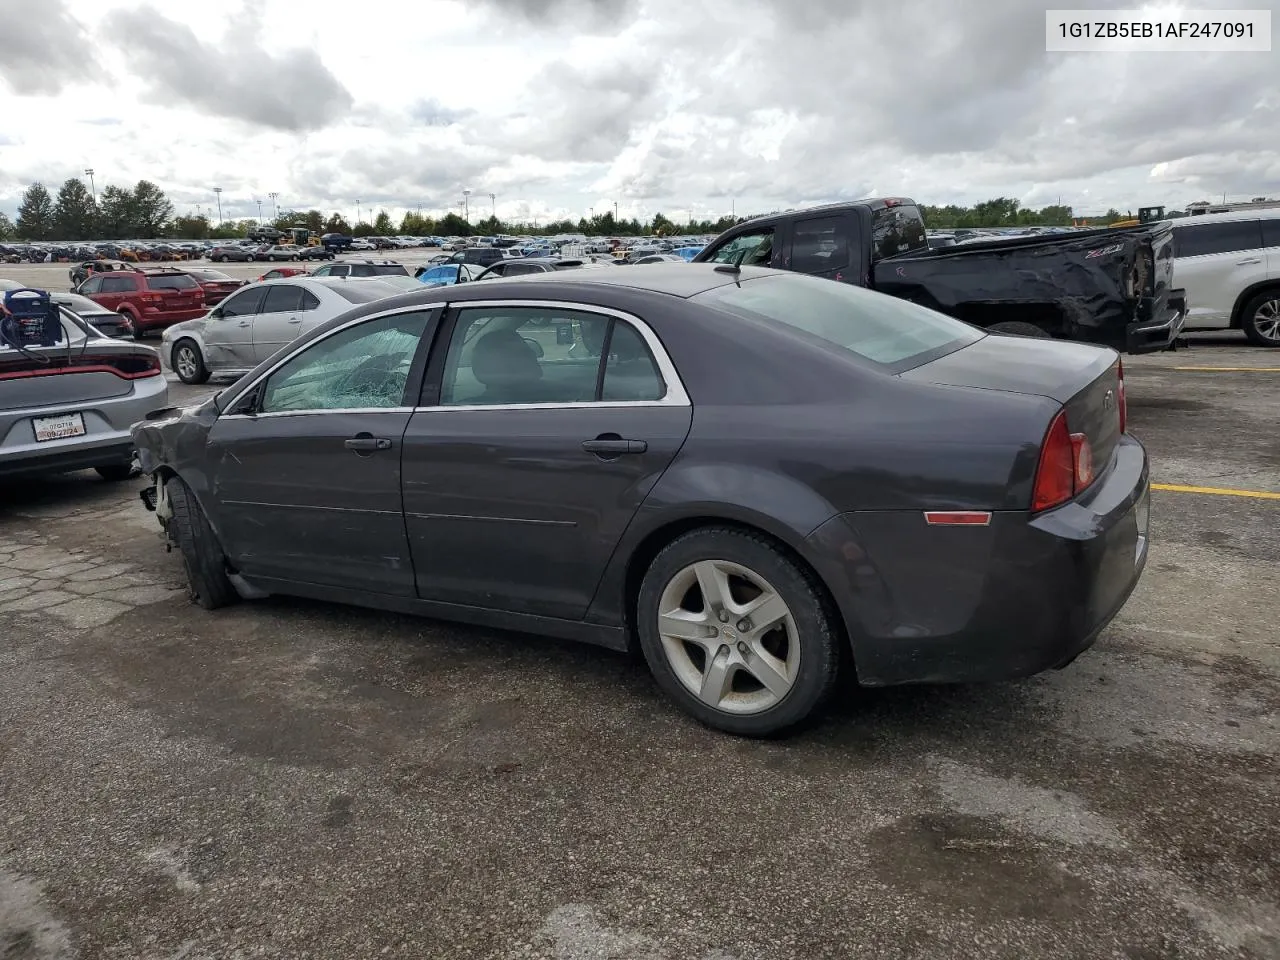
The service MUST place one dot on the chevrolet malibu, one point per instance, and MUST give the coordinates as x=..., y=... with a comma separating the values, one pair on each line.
x=757, y=478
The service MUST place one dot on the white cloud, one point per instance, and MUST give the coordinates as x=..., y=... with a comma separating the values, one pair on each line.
x=557, y=106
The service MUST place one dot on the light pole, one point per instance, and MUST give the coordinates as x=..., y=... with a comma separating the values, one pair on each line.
x=259, y=203
x=615, y=211
x=591, y=213
x=494, y=200
x=217, y=192
x=88, y=172
x=466, y=205
x=357, y=213
x=275, y=209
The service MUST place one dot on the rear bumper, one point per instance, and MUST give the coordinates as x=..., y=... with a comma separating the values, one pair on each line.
x=1159, y=334
x=159, y=319
x=936, y=604
x=107, y=436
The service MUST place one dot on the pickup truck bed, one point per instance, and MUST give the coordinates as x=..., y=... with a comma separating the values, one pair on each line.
x=1111, y=286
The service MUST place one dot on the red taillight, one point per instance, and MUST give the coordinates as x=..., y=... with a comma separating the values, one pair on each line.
x=1120, y=400
x=125, y=366
x=1056, y=472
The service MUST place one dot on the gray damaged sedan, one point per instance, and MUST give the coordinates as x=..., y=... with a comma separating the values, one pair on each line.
x=757, y=478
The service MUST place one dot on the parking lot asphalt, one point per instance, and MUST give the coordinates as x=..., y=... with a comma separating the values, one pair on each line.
x=294, y=779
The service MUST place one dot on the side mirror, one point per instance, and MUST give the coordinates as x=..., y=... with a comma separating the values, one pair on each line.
x=215, y=313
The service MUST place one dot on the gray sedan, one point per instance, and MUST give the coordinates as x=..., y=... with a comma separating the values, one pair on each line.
x=757, y=478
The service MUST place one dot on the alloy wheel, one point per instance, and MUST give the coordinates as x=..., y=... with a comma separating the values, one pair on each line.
x=729, y=637
x=186, y=362
x=1266, y=319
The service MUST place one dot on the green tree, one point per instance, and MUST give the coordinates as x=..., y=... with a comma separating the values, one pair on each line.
x=151, y=209
x=416, y=225
x=191, y=228
x=6, y=227
x=35, y=214
x=336, y=224
x=115, y=213
x=661, y=226
x=382, y=225
x=75, y=214
x=454, y=226
x=362, y=229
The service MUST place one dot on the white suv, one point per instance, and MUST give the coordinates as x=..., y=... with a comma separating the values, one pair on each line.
x=1229, y=264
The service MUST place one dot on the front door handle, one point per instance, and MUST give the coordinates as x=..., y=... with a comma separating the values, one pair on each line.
x=1248, y=263
x=366, y=443
x=244, y=323
x=614, y=446
x=295, y=319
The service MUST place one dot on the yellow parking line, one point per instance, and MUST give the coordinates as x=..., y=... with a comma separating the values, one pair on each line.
x=1229, y=369
x=1217, y=491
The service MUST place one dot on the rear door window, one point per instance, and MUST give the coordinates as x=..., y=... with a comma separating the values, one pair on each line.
x=1204, y=239
x=282, y=298
x=118, y=285
x=1271, y=232
x=820, y=245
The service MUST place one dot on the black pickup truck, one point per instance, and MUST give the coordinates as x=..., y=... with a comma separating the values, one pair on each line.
x=1112, y=287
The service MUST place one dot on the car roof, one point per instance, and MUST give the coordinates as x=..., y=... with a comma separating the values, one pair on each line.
x=1262, y=213
x=682, y=280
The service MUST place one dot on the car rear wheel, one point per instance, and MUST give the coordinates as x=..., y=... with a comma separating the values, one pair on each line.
x=188, y=362
x=737, y=633
x=1017, y=328
x=1262, y=319
x=202, y=555
x=222, y=259
x=116, y=471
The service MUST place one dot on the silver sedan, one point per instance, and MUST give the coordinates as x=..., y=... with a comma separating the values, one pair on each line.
x=69, y=406
x=259, y=319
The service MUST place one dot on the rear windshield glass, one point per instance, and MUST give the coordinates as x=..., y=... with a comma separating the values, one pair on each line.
x=874, y=326
x=387, y=269
x=177, y=281
x=362, y=292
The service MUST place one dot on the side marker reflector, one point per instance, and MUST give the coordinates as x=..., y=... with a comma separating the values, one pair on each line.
x=957, y=518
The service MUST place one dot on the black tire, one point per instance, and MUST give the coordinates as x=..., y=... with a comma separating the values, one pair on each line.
x=814, y=618
x=202, y=555
x=115, y=472
x=1257, y=326
x=197, y=373
x=1017, y=328
x=222, y=259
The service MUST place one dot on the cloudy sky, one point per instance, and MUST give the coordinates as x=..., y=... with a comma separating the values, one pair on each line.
x=559, y=106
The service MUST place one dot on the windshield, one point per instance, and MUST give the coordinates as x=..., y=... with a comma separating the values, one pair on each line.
x=80, y=304
x=875, y=327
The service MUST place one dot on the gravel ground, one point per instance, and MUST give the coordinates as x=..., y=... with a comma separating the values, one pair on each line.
x=293, y=779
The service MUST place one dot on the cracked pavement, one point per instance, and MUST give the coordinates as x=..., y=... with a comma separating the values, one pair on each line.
x=289, y=779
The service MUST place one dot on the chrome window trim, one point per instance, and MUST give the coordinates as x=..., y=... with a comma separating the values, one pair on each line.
x=235, y=398
x=676, y=395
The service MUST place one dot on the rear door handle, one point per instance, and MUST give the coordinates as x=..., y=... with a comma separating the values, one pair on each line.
x=614, y=448
x=295, y=319
x=364, y=442
x=244, y=323
x=1248, y=263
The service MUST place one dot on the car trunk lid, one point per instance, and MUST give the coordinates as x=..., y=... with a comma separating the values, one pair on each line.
x=50, y=376
x=1083, y=378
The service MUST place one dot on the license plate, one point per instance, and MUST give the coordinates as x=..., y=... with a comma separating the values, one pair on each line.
x=58, y=428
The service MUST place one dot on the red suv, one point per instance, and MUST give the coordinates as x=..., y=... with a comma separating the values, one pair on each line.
x=151, y=299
